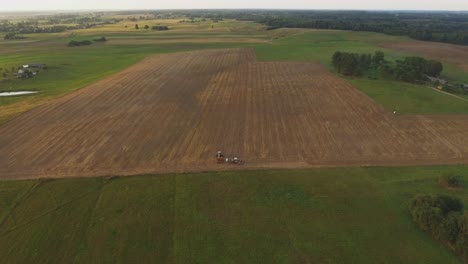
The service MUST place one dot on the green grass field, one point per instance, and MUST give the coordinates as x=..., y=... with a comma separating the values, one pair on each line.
x=357, y=215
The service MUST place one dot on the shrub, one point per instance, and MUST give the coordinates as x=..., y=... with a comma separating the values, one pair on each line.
x=160, y=28
x=461, y=245
x=100, y=39
x=448, y=204
x=451, y=180
x=426, y=216
x=442, y=217
x=450, y=227
x=76, y=43
x=12, y=35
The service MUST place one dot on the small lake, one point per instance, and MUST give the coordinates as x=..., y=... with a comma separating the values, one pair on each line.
x=4, y=94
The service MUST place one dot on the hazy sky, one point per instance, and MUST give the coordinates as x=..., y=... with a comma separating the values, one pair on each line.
x=14, y=5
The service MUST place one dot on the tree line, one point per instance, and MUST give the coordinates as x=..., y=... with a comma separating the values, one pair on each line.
x=449, y=27
x=355, y=64
x=77, y=43
x=11, y=35
x=159, y=28
x=36, y=25
x=409, y=69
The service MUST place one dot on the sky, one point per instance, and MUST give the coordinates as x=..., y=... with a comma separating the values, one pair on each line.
x=35, y=5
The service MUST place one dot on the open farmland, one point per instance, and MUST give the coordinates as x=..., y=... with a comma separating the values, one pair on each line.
x=332, y=215
x=454, y=54
x=171, y=113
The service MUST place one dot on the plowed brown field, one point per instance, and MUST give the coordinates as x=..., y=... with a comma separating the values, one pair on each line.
x=455, y=54
x=171, y=113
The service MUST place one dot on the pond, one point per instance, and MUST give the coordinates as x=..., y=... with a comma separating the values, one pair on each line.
x=17, y=93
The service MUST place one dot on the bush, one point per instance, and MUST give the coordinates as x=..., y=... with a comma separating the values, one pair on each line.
x=77, y=43
x=100, y=39
x=442, y=217
x=12, y=35
x=461, y=245
x=451, y=180
x=450, y=227
x=160, y=28
x=426, y=216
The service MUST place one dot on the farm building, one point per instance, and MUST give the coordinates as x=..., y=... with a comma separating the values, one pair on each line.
x=437, y=80
x=23, y=73
x=35, y=65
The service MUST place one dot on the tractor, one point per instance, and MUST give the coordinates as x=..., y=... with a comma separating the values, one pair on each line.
x=221, y=159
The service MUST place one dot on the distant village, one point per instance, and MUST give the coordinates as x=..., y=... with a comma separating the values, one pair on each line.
x=444, y=85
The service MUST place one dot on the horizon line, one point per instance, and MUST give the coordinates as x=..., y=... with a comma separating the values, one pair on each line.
x=233, y=9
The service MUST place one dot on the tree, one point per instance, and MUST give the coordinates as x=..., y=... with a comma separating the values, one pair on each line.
x=441, y=216
x=10, y=35
x=336, y=60
x=146, y=27
x=434, y=68
x=351, y=63
x=378, y=58
x=365, y=62
x=462, y=238
x=136, y=26
x=411, y=69
x=450, y=227
x=448, y=203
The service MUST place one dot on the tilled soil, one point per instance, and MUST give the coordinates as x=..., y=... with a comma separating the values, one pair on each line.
x=450, y=53
x=171, y=113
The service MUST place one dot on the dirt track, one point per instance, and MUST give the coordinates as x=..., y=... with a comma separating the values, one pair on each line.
x=171, y=113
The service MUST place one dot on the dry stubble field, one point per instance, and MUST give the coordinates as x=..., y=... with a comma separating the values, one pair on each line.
x=171, y=113
x=455, y=54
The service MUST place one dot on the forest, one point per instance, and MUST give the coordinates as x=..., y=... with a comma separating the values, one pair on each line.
x=448, y=27
x=53, y=23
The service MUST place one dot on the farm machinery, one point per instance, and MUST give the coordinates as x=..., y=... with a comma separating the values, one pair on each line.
x=220, y=158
